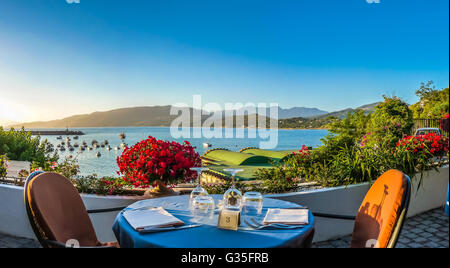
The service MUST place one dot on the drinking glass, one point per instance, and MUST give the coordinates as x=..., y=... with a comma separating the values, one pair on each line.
x=252, y=204
x=232, y=199
x=203, y=207
x=198, y=190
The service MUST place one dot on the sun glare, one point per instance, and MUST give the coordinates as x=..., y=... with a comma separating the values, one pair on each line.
x=11, y=111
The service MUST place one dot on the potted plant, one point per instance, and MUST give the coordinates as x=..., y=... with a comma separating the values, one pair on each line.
x=158, y=163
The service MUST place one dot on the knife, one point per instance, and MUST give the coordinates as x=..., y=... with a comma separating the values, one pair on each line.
x=166, y=229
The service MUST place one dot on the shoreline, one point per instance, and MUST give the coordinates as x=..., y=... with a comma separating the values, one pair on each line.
x=56, y=132
x=36, y=129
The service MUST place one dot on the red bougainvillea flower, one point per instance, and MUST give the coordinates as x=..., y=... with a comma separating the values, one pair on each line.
x=432, y=143
x=154, y=161
x=304, y=151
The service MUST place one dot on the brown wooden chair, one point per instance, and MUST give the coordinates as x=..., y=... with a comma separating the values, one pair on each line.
x=57, y=213
x=382, y=213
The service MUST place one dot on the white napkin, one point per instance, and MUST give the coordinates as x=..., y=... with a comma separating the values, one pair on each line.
x=151, y=217
x=287, y=216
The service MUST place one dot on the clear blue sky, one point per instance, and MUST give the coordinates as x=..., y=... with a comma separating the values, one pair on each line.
x=58, y=59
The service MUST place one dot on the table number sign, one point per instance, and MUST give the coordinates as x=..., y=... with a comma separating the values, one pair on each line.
x=229, y=219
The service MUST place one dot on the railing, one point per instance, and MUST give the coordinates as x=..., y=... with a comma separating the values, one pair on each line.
x=442, y=124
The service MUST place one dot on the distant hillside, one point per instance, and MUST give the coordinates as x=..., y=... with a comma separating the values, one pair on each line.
x=294, y=112
x=160, y=116
x=321, y=121
x=136, y=116
x=127, y=117
x=342, y=113
x=368, y=107
x=299, y=112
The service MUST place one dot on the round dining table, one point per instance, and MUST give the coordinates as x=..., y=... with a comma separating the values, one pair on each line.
x=208, y=235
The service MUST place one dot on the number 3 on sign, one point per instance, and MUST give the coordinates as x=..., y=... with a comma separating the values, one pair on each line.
x=229, y=220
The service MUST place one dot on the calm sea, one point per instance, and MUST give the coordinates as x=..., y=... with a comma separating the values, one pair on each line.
x=106, y=164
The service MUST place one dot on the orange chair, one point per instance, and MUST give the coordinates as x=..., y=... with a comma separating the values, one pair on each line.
x=57, y=213
x=380, y=218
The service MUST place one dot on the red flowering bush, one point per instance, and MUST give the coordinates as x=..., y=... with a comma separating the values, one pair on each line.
x=431, y=143
x=157, y=162
x=303, y=152
x=298, y=162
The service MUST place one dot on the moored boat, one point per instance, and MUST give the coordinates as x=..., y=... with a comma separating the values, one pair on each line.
x=207, y=145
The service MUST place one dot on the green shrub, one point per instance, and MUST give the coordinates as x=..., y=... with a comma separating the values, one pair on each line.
x=433, y=103
x=221, y=188
x=276, y=180
x=69, y=168
x=391, y=121
x=348, y=131
x=20, y=145
x=102, y=186
x=3, y=166
x=360, y=148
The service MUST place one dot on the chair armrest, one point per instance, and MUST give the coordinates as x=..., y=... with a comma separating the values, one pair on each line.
x=334, y=216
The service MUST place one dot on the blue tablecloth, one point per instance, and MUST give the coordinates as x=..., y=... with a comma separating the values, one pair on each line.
x=207, y=235
x=446, y=202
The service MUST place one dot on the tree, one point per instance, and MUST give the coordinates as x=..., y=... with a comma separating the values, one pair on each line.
x=391, y=120
x=425, y=89
x=433, y=103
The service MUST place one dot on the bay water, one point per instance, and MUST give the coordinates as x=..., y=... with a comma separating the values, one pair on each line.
x=105, y=165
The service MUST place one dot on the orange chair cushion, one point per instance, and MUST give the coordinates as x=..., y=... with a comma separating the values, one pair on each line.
x=59, y=210
x=379, y=212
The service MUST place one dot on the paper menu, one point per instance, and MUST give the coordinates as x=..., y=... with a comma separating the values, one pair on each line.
x=287, y=216
x=150, y=217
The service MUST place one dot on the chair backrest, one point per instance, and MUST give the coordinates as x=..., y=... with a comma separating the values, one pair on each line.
x=382, y=213
x=56, y=211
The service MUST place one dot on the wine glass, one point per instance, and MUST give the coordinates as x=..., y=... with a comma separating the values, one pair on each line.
x=232, y=198
x=252, y=205
x=203, y=207
x=198, y=190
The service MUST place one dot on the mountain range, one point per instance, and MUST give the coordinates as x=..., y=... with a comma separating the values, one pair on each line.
x=143, y=116
x=321, y=121
x=160, y=116
x=299, y=112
